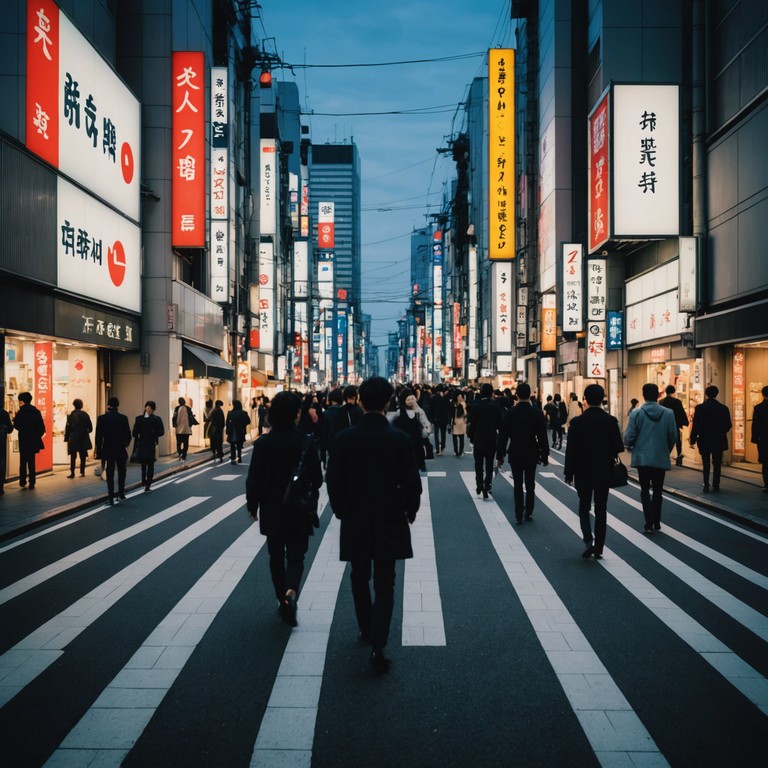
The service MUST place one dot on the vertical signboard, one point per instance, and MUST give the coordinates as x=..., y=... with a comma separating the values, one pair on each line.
x=458, y=350
x=268, y=191
x=595, y=350
x=599, y=175
x=44, y=400
x=266, y=308
x=646, y=160
x=188, y=137
x=615, y=331
x=219, y=170
x=687, y=277
x=300, y=270
x=597, y=289
x=548, y=322
x=501, y=307
x=739, y=403
x=501, y=153
x=325, y=225
x=573, y=287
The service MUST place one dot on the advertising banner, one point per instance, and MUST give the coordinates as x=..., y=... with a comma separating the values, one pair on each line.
x=269, y=186
x=599, y=175
x=325, y=225
x=188, y=137
x=573, y=287
x=501, y=153
x=597, y=289
x=266, y=308
x=503, y=283
x=595, y=350
x=43, y=395
x=300, y=270
x=548, y=323
x=615, y=331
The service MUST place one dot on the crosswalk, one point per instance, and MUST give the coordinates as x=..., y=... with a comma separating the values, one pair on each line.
x=109, y=728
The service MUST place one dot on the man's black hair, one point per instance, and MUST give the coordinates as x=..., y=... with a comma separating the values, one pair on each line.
x=375, y=393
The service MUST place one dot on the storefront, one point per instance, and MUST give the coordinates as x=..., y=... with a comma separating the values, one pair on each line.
x=749, y=376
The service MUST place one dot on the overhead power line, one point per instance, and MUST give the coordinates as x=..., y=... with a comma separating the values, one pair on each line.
x=385, y=63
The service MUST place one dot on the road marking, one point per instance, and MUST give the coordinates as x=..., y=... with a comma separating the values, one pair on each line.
x=227, y=478
x=437, y=473
x=737, y=672
x=615, y=732
x=54, y=569
x=287, y=731
x=110, y=728
x=31, y=656
x=422, y=607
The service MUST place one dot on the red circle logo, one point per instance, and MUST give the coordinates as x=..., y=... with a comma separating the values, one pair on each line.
x=126, y=162
x=116, y=263
x=263, y=279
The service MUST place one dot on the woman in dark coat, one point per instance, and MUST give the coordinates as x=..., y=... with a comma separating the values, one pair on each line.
x=238, y=423
x=276, y=456
x=77, y=437
x=408, y=421
x=147, y=430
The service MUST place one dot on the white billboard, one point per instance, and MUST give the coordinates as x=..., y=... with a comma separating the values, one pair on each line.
x=300, y=270
x=99, y=251
x=646, y=160
x=503, y=282
x=573, y=287
x=266, y=309
x=269, y=186
x=597, y=289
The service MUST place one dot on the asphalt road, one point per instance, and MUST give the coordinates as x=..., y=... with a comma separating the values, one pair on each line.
x=146, y=635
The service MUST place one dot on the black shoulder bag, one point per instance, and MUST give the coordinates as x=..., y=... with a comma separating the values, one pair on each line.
x=300, y=498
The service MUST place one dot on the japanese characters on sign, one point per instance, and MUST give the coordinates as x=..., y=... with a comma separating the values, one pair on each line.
x=458, y=349
x=646, y=160
x=652, y=305
x=503, y=295
x=219, y=172
x=188, y=156
x=79, y=115
x=219, y=265
x=105, y=329
x=687, y=275
x=301, y=270
x=595, y=350
x=597, y=289
x=548, y=323
x=573, y=287
x=615, y=330
x=98, y=251
x=501, y=153
x=269, y=186
x=599, y=175
x=43, y=378
x=739, y=403
x=265, y=311
x=325, y=225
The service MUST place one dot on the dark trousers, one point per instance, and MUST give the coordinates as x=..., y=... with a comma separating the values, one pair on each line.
x=651, y=486
x=524, y=474
x=715, y=460
x=236, y=451
x=458, y=444
x=484, y=468
x=765, y=473
x=182, y=445
x=27, y=468
x=73, y=461
x=588, y=490
x=557, y=436
x=217, y=445
x=679, y=443
x=120, y=464
x=440, y=432
x=289, y=548
x=147, y=472
x=374, y=617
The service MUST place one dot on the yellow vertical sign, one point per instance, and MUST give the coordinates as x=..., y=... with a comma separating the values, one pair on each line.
x=501, y=153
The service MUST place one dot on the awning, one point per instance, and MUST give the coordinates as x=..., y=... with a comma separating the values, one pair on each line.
x=206, y=364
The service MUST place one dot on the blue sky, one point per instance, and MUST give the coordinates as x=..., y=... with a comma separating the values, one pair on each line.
x=401, y=171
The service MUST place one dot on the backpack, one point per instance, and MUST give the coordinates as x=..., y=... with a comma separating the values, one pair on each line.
x=300, y=499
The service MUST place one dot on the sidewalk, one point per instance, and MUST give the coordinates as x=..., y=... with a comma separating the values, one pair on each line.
x=55, y=496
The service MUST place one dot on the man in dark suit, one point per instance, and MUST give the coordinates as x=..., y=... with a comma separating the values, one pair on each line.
x=440, y=417
x=594, y=442
x=760, y=434
x=483, y=423
x=681, y=419
x=28, y=422
x=524, y=428
x=711, y=424
x=113, y=435
x=375, y=490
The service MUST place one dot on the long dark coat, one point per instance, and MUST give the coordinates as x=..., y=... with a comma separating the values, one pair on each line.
x=483, y=423
x=524, y=428
x=216, y=421
x=594, y=441
x=711, y=424
x=77, y=432
x=375, y=488
x=31, y=428
x=674, y=405
x=238, y=424
x=146, y=431
x=760, y=431
x=412, y=428
x=113, y=435
x=275, y=457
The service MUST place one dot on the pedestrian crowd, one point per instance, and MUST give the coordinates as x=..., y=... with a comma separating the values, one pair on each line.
x=370, y=444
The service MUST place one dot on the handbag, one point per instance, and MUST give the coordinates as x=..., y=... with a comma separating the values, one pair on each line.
x=134, y=458
x=428, y=449
x=300, y=498
x=619, y=475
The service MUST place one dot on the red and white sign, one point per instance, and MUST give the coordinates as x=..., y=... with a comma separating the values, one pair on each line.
x=269, y=186
x=44, y=400
x=325, y=225
x=595, y=350
x=573, y=287
x=79, y=115
x=98, y=252
x=265, y=311
x=188, y=171
x=599, y=175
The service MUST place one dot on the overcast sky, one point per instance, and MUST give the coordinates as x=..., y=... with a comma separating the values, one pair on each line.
x=403, y=177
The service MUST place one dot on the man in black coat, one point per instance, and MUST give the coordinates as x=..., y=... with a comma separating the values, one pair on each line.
x=375, y=490
x=276, y=456
x=681, y=419
x=524, y=428
x=216, y=422
x=760, y=434
x=28, y=422
x=594, y=442
x=440, y=417
x=113, y=436
x=483, y=423
x=711, y=425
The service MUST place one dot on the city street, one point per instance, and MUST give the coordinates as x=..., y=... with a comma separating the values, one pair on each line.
x=146, y=634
